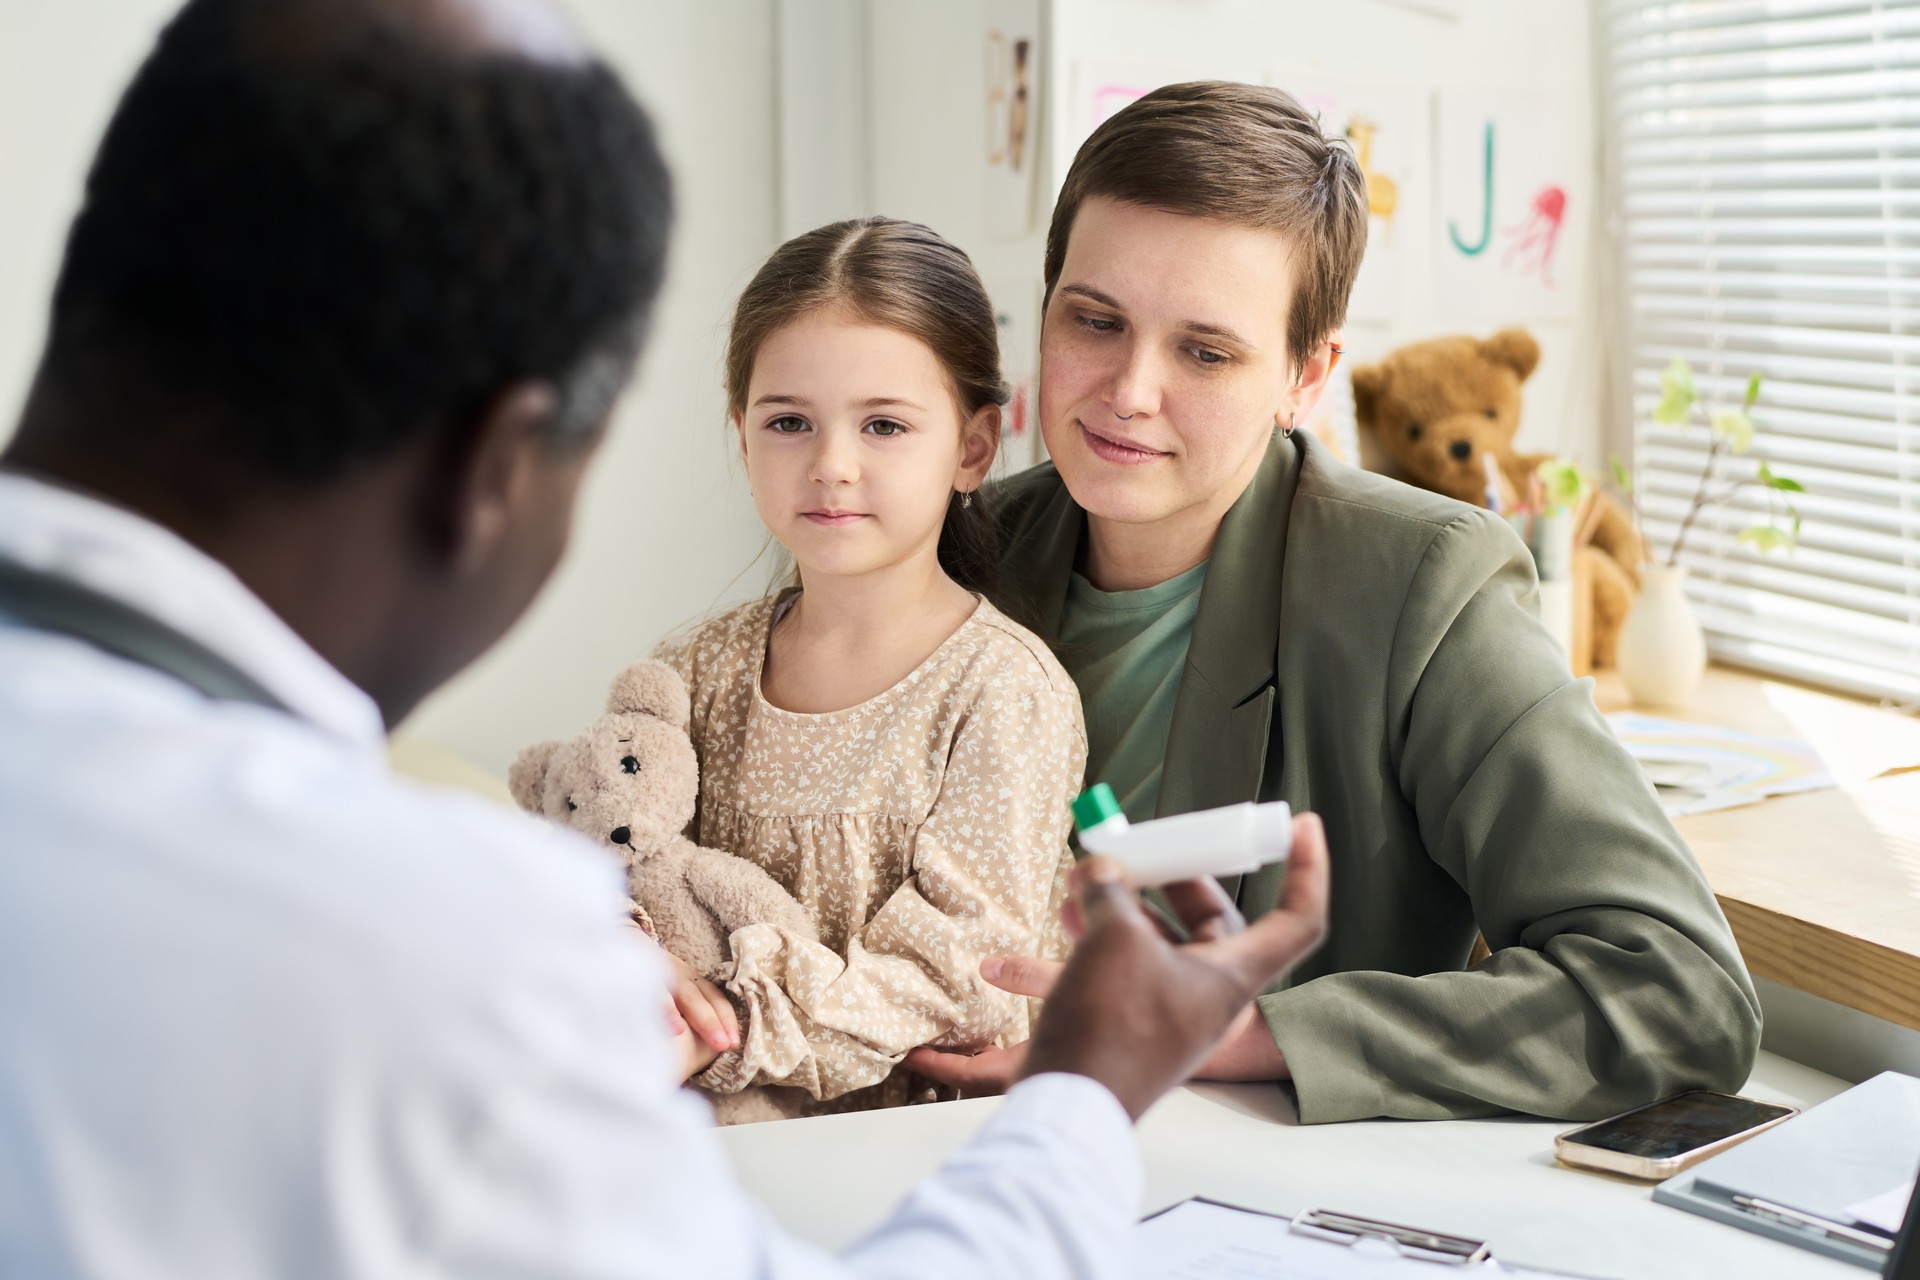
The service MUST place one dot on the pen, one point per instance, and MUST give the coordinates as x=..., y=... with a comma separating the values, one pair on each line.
x=1813, y=1222
x=1492, y=468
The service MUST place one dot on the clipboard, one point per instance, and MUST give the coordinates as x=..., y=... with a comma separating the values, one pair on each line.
x=1794, y=1182
x=1202, y=1237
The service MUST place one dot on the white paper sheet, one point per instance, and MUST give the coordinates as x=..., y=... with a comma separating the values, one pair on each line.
x=1885, y=1211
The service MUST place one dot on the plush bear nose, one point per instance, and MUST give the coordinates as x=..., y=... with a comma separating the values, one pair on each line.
x=1461, y=449
x=620, y=835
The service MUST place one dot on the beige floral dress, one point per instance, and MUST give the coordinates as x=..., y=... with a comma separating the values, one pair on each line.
x=923, y=829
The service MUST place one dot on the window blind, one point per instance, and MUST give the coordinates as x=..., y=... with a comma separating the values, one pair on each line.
x=1766, y=156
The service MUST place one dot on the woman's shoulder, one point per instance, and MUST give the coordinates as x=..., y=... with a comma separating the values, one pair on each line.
x=1326, y=479
x=1401, y=528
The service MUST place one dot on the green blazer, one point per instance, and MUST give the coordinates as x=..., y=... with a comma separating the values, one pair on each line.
x=1371, y=652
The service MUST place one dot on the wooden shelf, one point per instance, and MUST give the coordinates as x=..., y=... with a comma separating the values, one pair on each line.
x=1822, y=888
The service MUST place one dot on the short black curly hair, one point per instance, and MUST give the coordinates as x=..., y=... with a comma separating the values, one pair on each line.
x=315, y=258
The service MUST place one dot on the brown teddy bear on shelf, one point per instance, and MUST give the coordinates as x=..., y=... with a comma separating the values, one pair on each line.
x=1438, y=410
x=631, y=780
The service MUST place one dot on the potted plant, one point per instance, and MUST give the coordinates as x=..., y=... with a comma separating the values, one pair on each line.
x=1662, y=649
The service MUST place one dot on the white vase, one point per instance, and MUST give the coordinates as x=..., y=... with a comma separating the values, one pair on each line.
x=1662, y=651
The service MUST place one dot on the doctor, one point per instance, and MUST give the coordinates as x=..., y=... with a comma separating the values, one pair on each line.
x=353, y=291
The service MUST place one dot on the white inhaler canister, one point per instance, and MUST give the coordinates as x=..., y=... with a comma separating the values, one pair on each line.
x=1233, y=840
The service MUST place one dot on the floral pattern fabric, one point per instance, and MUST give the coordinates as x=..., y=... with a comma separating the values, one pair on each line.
x=923, y=830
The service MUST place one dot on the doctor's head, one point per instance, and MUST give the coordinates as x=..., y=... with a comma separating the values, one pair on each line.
x=1197, y=270
x=372, y=271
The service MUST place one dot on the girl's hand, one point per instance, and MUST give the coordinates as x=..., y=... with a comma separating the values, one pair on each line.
x=706, y=1009
x=692, y=1054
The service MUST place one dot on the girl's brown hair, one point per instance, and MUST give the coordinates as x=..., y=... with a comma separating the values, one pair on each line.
x=899, y=275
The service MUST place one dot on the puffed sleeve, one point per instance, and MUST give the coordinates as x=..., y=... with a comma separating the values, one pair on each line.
x=987, y=877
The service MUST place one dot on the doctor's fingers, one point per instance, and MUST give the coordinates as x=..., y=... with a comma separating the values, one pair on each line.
x=1204, y=908
x=1295, y=927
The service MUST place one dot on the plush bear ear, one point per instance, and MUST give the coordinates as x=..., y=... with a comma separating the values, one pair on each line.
x=1514, y=348
x=529, y=773
x=653, y=689
x=1369, y=384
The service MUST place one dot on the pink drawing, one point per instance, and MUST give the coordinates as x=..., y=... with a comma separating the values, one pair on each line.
x=1538, y=234
x=1109, y=98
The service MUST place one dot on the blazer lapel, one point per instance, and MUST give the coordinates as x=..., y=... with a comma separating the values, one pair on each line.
x=1223, y=715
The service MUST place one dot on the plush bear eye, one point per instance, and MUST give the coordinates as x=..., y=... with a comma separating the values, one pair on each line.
x=630, y=764
x=1491, y=413
x=1413, y=431
x=571, y=806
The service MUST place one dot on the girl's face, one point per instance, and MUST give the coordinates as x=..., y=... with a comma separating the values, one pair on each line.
x=853, y=444
x=1163, y=361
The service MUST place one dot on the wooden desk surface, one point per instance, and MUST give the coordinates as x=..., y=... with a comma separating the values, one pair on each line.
x=834, y=1178
x=1822, y=888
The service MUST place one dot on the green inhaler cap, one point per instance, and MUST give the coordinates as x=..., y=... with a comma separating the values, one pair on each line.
x=1094, y=806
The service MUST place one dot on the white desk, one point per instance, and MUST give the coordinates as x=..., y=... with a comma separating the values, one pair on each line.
x=830, y=1179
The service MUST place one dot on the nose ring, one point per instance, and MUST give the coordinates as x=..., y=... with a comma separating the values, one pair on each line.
x=1125, y=417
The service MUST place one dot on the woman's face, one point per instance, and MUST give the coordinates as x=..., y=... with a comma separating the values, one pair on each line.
x=853, y=444
x=1163, y=361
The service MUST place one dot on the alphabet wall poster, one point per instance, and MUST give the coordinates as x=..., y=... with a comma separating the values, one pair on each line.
x=1515, y=189
x=1388, y=128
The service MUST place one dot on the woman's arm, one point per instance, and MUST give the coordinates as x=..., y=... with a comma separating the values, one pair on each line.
x=1614, y=979
x=987, y=877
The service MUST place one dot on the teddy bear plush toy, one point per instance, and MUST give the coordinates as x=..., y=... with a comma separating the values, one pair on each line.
x=630, y=780
x=1435, y=411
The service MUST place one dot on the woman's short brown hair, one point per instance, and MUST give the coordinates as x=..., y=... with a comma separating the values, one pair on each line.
x=1237, y=153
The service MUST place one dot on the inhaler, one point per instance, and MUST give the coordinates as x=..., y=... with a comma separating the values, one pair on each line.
x=1232, y=840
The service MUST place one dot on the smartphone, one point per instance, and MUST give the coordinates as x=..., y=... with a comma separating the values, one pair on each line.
x=1662, y=1138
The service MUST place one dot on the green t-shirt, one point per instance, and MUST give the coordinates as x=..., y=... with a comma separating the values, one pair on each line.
x=1126, y=649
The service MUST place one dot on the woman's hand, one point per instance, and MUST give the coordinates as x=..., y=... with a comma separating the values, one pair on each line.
x=707, y=1011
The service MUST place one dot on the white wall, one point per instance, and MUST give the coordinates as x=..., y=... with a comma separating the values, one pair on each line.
x=925, y=70
x=62, y=66
x=666, y=528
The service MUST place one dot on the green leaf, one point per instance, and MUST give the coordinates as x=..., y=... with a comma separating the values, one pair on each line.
x=1764, y=537
x=1753, y=390
x=1561, y=482
x=1735, y=427
x=1677, y=394
x=1622, y=478
x=1766, y=477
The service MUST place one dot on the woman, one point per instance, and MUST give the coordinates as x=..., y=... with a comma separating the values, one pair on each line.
x=1248, y=619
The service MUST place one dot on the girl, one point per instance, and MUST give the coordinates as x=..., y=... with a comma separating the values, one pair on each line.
x=884, y=742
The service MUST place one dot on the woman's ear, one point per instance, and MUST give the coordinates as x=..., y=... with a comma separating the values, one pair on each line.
x=979, y=444
x=1315, y=374
x=740, y=433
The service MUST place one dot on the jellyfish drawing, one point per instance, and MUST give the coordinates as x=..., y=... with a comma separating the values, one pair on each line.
x=1535, y=236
